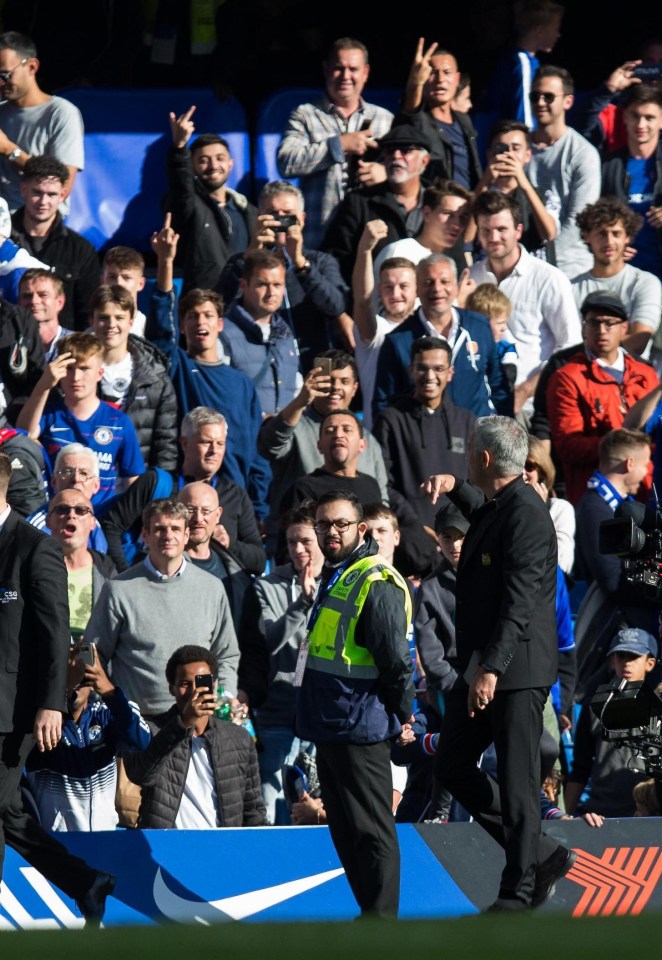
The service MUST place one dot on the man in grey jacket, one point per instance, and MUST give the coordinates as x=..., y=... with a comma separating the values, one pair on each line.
x=286, y=598
x=141, y=615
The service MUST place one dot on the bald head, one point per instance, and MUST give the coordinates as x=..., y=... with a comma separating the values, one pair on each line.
x=204, y=511
x=71, y=520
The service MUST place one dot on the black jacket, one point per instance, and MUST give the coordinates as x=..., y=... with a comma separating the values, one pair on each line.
x=26, y=484
x=616, y=182
x=434, y=628
x=161, y=771
x=205, y=238
x=151, y=404
x=34, y=625
x=506, y=587
x=72, y=258
x=351, y=215
x=416, y=443
x=21, y=357
x=441, y=158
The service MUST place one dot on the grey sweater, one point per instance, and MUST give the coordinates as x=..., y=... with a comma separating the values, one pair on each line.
x=139, y=621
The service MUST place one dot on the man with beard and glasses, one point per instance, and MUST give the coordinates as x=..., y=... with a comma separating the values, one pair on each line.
x=213, y=220
x=356, y=692
x=398, y=201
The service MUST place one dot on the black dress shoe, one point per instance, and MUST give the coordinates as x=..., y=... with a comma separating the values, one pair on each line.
x=549, y=873
x=507, y=905
x=93, y=903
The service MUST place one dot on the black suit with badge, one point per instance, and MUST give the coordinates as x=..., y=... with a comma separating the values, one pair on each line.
x=505, y=618
x=34, y=644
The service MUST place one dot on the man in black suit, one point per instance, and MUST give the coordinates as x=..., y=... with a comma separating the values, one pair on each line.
x=507, y=653
x=34, y=648
x=34, y=640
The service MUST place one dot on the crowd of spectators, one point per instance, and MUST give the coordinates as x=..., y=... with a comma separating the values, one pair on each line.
x=340, y=332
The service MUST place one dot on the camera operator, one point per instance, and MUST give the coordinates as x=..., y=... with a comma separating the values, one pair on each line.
x=315, y=294
x=609, y=768
x=610, y=602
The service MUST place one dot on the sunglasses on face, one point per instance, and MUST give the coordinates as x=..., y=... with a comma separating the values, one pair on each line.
x=549, y=98
x=63, y=510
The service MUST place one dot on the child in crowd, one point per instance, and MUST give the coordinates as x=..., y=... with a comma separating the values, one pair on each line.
x=64, y=408
x=74, y=785
x=487, y=299
x=125, y=267
x=609, y=770
x=135, y=376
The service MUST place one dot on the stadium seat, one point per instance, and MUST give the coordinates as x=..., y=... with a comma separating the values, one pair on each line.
x=272, y=117
x=117, y=198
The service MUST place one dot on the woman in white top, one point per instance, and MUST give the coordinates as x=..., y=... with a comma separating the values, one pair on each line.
x=539, y=469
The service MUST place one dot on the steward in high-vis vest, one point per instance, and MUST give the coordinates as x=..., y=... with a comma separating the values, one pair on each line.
x=357, y=682
x=356, y=691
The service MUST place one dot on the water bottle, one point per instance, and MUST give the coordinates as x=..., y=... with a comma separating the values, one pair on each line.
x=224, y=709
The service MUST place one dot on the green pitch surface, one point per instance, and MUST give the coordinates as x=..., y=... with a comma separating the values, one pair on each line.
x=524, y=937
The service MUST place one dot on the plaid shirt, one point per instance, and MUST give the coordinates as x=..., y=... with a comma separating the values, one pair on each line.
x=310, y=149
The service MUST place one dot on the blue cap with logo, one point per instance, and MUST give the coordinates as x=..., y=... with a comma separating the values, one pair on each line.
x=634, y=640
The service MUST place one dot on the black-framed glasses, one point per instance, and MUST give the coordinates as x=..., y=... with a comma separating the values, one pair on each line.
x=5, y=75
x=596, y=322
x=530, y=466
x=549, y=98
x=64, y=509
x=323, y=526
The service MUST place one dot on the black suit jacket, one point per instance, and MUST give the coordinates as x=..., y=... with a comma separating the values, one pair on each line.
x=34, y=625
x=506, y=586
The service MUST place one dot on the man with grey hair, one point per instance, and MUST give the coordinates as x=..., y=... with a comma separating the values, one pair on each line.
x=316, y=296
x=202, y=437
x=478, y=380
x=140, y=616
x=76, y=467
x=398, y=201
x=507, y=659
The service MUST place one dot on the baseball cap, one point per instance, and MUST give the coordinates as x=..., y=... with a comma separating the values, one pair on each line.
x=449, y=517
x=634, y=640
x=406, y=135
x=606, y=302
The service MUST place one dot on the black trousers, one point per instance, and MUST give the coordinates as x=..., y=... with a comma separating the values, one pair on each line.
x=357, y=791
x=14, y=750
x=18, y=829
x=508, y=809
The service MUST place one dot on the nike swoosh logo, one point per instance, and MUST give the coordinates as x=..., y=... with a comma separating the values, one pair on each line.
x=58, y=429
x=244, y=905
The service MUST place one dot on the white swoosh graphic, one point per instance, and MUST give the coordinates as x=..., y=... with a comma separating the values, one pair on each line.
x=244, y=905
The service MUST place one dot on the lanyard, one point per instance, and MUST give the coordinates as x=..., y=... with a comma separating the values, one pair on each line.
x=323, y=593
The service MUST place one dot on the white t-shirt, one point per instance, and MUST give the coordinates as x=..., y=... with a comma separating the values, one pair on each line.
x=117, y=380
x=366, y=355
x=198, y=809
x=54, y=128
